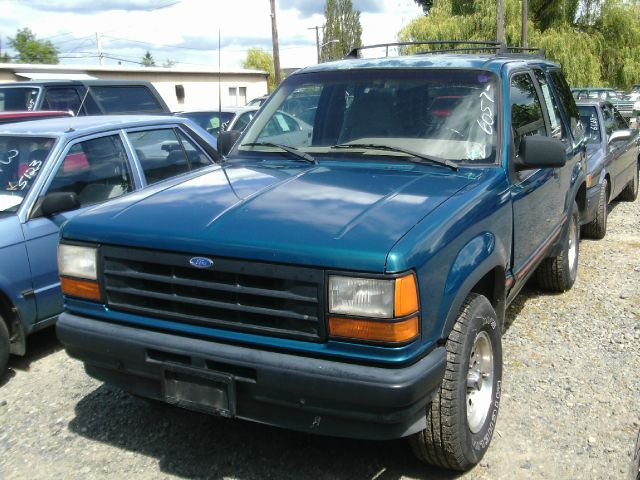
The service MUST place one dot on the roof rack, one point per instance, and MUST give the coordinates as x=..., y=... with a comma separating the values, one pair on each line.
x=498, y=48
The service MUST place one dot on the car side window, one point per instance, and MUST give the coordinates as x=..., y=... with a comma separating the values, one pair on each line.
x=63, y=98
x=160, y=153
x=196, y=156
x=96, y=170
x=526, y=110
x=557, y=130
x=568, y=104
x=620, y=122
x=243, y=120
x=609, y=121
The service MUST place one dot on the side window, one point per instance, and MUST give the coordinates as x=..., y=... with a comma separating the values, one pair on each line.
x=160, y=154
x=620, y=122
x=126, y=99
x=568, y=104
x=526, y=110
x=66, y=99
x=243, y=121
x=609, y=121
x=96, y=170
x=196, y=156
x=552, y=106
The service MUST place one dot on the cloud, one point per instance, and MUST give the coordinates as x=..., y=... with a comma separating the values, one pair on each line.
x=97, y=6
x=308, y=8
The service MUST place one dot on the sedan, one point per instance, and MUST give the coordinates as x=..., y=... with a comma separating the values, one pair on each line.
x=51, y=170
x=612, y=157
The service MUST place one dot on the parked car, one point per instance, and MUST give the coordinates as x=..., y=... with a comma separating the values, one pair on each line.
x=258, y=101
x=83, y=97
x=26, y=115
x=624, y=106
x=238, y=118
x=51, y=170
x=352, y=280
x=612, y=169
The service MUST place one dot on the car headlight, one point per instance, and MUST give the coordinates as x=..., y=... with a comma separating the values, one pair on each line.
x=78, y=271
x=636, y=105
x=390, y=308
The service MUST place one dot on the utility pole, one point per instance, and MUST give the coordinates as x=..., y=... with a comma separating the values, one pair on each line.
x=500, y=21
x=274, y=38
x=99, y=44
x=525, y=15
x=317, y=28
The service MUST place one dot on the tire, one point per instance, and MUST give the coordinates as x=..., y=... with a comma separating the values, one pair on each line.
x=630, y=192
x=597, y=228
x=456, y=436
x=4, y=347
x=558, y=274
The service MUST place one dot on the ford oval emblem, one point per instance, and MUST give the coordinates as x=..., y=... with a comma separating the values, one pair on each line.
x=201, y=262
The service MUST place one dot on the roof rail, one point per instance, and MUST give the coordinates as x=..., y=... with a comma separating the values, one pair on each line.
x=498, y=48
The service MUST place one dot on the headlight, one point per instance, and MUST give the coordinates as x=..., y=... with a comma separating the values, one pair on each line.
x=78, y=271
x=364, y=297
x=391, y=304
x=636, y=106
x=79, y=262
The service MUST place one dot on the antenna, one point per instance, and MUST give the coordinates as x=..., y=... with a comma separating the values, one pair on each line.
x=219, y=86
x=83, y=99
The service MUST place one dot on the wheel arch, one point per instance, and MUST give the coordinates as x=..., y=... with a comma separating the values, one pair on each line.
x=11, y=318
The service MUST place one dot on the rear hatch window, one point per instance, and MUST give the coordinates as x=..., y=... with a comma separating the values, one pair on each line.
x=130, y=99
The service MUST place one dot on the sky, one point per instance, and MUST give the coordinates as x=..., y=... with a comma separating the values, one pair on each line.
x=186, y=31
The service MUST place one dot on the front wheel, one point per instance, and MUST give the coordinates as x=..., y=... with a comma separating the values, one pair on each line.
x=630, y=192
x=597, y=228
x=4, y=347
x=461, y=418
x=558, y=274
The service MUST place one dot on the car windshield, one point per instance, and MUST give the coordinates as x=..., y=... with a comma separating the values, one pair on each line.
x=21, y=160
x=450, y=114
x=17, y=98
x=210, y=121
x=589, y=118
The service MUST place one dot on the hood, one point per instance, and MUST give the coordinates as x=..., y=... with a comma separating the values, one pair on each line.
x=342, y=215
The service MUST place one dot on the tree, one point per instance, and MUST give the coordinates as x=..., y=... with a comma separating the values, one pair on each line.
x=5, y=58
x=258, y=59
x=342, y=30
x=168, y=63
x=32, y=50
x=603, y=35
x=148, y=60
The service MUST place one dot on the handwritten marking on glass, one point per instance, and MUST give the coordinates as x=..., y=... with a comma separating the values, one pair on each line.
x=486, y=111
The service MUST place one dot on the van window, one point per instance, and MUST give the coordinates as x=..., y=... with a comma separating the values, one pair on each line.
x=126, y=99
x=62, y=98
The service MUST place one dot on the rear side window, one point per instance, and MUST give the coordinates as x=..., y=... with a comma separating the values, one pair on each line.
x=62, y=98
x=568, y=104
x=526, y=109
x=130, y=99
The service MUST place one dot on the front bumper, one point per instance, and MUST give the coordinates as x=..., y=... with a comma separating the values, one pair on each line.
x=307, y=394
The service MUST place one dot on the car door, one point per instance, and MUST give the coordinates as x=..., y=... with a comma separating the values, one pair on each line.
x=622, y=153
x=536, y=194
x=96, y=169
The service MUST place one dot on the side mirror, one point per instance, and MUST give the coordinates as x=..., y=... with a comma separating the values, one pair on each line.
x=619, y=136
x=58, y=202
x=226, y=141
x=540, y=152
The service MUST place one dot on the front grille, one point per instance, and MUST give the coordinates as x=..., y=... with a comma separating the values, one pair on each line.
x=625, y=107
x=239, y=295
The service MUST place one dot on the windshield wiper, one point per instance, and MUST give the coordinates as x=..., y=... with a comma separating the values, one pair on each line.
x=293, y=151
x=417, y=157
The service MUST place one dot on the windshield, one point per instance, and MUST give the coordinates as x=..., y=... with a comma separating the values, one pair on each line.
x=446, y=113
x=17, y=98
x=589, y=118
x=21, y=159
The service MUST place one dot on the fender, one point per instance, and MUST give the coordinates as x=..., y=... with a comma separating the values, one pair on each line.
x=477, y=258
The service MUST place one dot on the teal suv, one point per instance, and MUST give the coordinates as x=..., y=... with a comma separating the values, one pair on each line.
x=350, y=278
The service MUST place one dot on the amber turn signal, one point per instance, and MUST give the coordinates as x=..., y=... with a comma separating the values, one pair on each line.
x=86, y=289
x=374, y=330
x=406, y=296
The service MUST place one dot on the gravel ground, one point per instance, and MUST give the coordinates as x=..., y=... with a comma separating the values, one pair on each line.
x=570, y=405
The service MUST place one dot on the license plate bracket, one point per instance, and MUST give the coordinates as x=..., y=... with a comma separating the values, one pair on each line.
x=203, y=391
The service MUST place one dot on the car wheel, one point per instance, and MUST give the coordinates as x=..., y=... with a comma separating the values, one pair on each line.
x=630, y=192
x=598, y=227
x=462, y=416
x=559, y=273
x=4, y=347
x=634, y=470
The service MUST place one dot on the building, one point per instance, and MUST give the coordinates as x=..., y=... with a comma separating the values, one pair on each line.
x=181, y=88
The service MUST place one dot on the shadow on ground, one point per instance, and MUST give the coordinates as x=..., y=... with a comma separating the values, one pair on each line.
x=189, y=444
x=39, y=345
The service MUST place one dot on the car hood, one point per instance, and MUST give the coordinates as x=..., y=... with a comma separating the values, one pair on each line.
x=335, y=214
